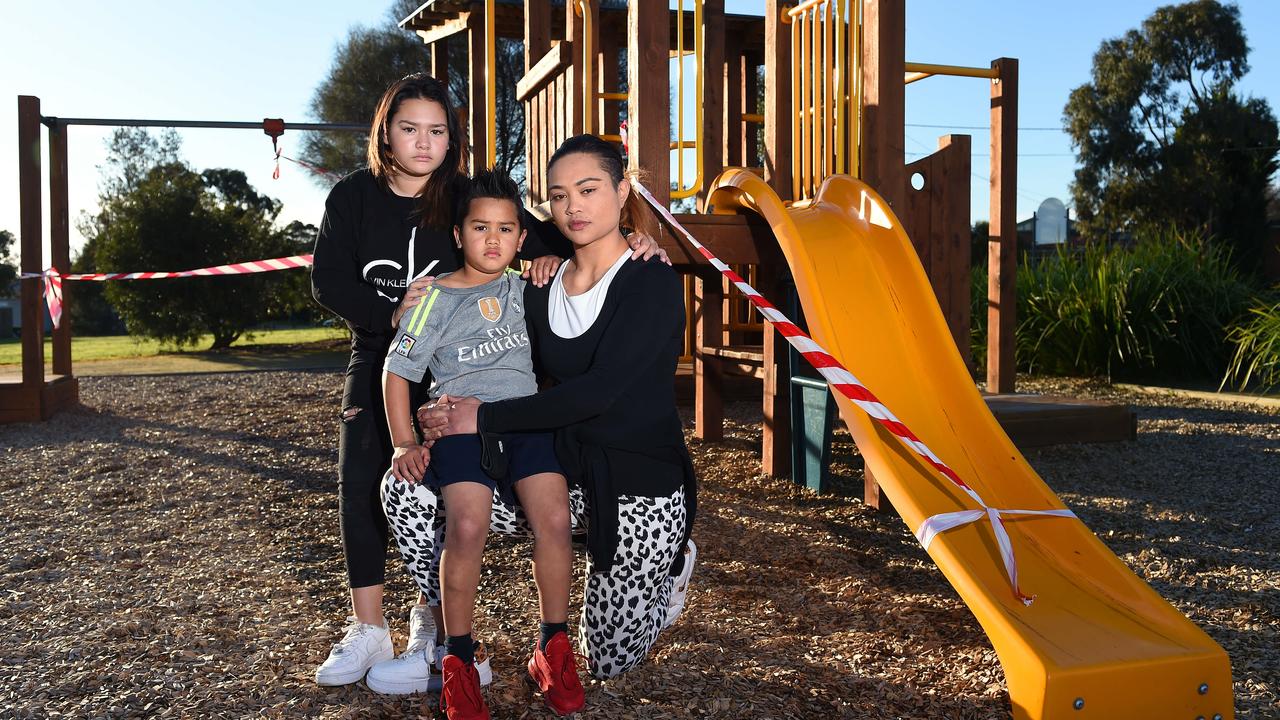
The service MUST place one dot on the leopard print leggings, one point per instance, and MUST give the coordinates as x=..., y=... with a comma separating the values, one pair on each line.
x=623, y=610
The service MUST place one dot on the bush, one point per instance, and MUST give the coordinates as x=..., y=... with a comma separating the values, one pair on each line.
x=1257, y=347
x=1156, y=310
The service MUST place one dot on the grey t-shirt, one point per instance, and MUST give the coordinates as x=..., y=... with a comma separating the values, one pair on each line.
x=472, y=339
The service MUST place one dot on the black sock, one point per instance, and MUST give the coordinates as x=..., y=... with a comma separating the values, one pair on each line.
x=461, y=647
x=549, y=631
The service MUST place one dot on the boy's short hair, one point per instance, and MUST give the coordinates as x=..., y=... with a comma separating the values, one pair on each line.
x=490, y=184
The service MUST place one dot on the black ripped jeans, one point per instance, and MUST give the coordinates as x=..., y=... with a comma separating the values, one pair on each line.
x=364, y=454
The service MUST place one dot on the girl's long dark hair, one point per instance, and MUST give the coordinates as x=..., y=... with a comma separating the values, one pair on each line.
x=636, y=215
x=435, y=202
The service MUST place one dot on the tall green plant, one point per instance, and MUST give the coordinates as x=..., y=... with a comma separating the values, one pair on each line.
x=1158, y=309
x=1257, y=347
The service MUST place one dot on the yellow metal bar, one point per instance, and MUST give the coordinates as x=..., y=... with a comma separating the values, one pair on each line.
x=679, y=93
x=681, y=190
x=842, y=85
x=796, y=75
x=803, y=7
x=909, y=78
x=491, y=72
x=855, y=61
x=583, y=9
x=828, y=99
x=612, y=95
x=957, y=70
x=796, y=115
x=610, y=138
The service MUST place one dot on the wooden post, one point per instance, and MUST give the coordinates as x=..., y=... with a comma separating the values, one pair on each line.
x=1002, y=249
x=575, y=75
x=708, y=372
x=649, y=104
x=60, y=242
x=731, y=114
x=750, y=93
x=884, y=97
x=713, y=95
x=440, y=61
x=477, y=81
x=775, y=436
x=607, y=78
x=31, y=244
x=778, y=113
x=537, y=41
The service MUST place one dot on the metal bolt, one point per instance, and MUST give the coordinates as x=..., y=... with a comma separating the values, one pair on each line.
x=1217, y=716
x=1204, y=688
x=1199, y=717
x=1078, y=704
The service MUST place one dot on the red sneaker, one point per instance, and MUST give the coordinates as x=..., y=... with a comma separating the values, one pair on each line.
x=556, y=674
x=460, y=697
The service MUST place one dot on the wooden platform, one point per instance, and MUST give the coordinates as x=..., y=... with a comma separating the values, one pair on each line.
x=34, y=403
x=1040, y=420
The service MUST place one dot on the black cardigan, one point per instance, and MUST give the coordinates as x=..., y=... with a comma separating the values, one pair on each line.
x=614, y=411
x=364, y=257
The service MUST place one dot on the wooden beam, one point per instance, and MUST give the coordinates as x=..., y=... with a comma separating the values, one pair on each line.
x=447, y=28
x=31, y=243
x=778, y=113
x=884, y=97
x=59, y=242
x=547, y=69
x=1002, y=249
x=649, y=105
x=735, y=239
x=713, y=95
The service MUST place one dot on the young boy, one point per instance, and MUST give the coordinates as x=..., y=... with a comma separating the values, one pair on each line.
x=470, y=332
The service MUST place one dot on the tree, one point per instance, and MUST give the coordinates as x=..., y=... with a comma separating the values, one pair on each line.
x=8, y=264
x=157, y=213
x=1163, y=138
x=370, y=59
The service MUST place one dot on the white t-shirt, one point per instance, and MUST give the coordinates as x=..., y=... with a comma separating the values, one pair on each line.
x=572, y=315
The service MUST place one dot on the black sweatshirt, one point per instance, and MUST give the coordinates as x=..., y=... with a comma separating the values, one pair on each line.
x=370, y=248
x=614, y=407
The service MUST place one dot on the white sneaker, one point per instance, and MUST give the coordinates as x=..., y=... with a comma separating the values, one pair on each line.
x=675, y=604
x=411, y=671
x=422, y=627
x=362, y=647
x=420, y=669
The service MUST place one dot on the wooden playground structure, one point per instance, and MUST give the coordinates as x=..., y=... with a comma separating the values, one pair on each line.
x=804, y=92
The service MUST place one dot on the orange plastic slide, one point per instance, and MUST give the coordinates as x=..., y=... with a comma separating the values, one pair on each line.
x=1097, y=642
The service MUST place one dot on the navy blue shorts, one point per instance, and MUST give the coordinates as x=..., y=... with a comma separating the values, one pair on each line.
x=456, y=458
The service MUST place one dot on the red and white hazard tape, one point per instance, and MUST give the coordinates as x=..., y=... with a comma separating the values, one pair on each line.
x=846, y=384
x=53, y=279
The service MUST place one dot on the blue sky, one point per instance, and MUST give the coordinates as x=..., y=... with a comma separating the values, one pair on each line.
x=242, y=60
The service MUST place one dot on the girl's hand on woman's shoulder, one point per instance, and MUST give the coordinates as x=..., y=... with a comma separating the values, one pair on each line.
x=412, y=296
x=644, y=247
x=541, y=270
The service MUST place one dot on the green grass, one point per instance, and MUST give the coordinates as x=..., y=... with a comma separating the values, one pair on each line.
x=125, y=346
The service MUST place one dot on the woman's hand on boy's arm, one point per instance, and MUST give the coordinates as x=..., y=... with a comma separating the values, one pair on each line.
x=412, y=296
x=448, y=416
x=541, y=270
x=644, y=247
x=409, y=462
